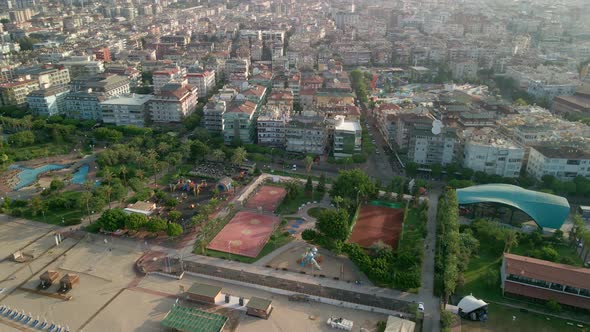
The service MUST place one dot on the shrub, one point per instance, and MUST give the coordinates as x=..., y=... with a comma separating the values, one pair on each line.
x=446, y=319
x=156, y=224
x=174, y=230
x=72, y=221
x=553, y=305
x=309, y=234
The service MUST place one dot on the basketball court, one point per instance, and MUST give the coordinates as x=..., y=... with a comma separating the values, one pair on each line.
x=377, y=223
x=267, y=197
x=246, y=234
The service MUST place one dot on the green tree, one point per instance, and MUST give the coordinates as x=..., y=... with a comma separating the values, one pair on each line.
x=293, y=189
x=199, y=150
x=22, y=138
x=174, y=230
x=112, y=220
x=36, y=205
x=136, y=221
x=333, y=223
x=411, y=169
x=156, y=224
x=321, y=186
x=308, y=163
x=107, y=134
x=174, y=216
x=308, y=185
x=123, y=171
x=354, y=185
x=217, y=155
x=553, y=305
x=56, y=185
x=239, y=156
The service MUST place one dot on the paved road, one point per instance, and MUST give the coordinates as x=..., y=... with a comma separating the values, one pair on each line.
x=426, y=294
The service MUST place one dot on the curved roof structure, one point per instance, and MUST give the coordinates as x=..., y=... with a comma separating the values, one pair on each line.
x=469, y=303
x=546, y=210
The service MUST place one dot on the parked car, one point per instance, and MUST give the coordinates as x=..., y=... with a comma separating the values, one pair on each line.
x=421, y=306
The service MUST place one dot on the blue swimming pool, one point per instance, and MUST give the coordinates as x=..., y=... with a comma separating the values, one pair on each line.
x=29, y=175
x=81, y=174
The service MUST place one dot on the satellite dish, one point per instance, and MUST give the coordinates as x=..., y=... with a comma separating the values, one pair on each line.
x=436, y=126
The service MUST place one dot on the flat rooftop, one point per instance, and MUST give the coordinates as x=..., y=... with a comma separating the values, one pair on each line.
x=135, y=100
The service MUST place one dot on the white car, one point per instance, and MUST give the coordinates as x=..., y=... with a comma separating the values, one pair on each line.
x=421, y=306
x=294, y=168
x=2, y=290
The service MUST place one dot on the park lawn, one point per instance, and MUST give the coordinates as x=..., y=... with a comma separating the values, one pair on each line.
x=315, y=211
x=291, y=206
x=490, y=258
x=500, y=319
x=281, y=239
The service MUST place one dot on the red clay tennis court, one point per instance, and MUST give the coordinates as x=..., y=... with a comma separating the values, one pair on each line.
x=377, y=223
x=267, y=197
x=245, y=235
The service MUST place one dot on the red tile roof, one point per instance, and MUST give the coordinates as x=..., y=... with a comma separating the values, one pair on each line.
x=547, y=271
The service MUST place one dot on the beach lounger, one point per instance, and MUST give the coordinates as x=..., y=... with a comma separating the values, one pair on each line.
x=8, y=313
x=27, y=320
x=35, y=322
x=51, y=327
x=42, y=326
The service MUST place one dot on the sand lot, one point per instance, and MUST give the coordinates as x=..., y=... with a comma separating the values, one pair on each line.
x=111, y=297
x=286, y=315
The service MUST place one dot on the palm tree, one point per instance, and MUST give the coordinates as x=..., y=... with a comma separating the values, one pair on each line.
x=239, y=156
x=218, y=155
x=308, y=163
x=510, y=240
x=107, y=175
x=123, y=170
x=85, y=198
x=140, y=174
x=109, y=191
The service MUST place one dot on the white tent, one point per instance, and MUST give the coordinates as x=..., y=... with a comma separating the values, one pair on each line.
x=469, y=303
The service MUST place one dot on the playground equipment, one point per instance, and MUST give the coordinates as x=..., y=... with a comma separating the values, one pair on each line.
x=340, y=323
x=309, y=257
x=188, y=186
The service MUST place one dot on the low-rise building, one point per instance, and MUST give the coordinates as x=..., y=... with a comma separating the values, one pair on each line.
x=126, y=110
x=578, y=104
x=544, y=280
x=174, y=102
x=347, y=137
x=562, y=162
x=48, y=102
x=81, y=67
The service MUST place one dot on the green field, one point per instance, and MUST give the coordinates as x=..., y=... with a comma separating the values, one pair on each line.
x=500, y=319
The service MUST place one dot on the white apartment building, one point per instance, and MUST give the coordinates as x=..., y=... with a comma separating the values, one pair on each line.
x=126, y=110
x=493, y=156
x=15, y=93
x=174, y=102
x=48, y=102
x=204, y=82
x=347, y=137
x=426, y=148
x=165, y=76
x=213, y=115
x=565, y=163
x=84, y=105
